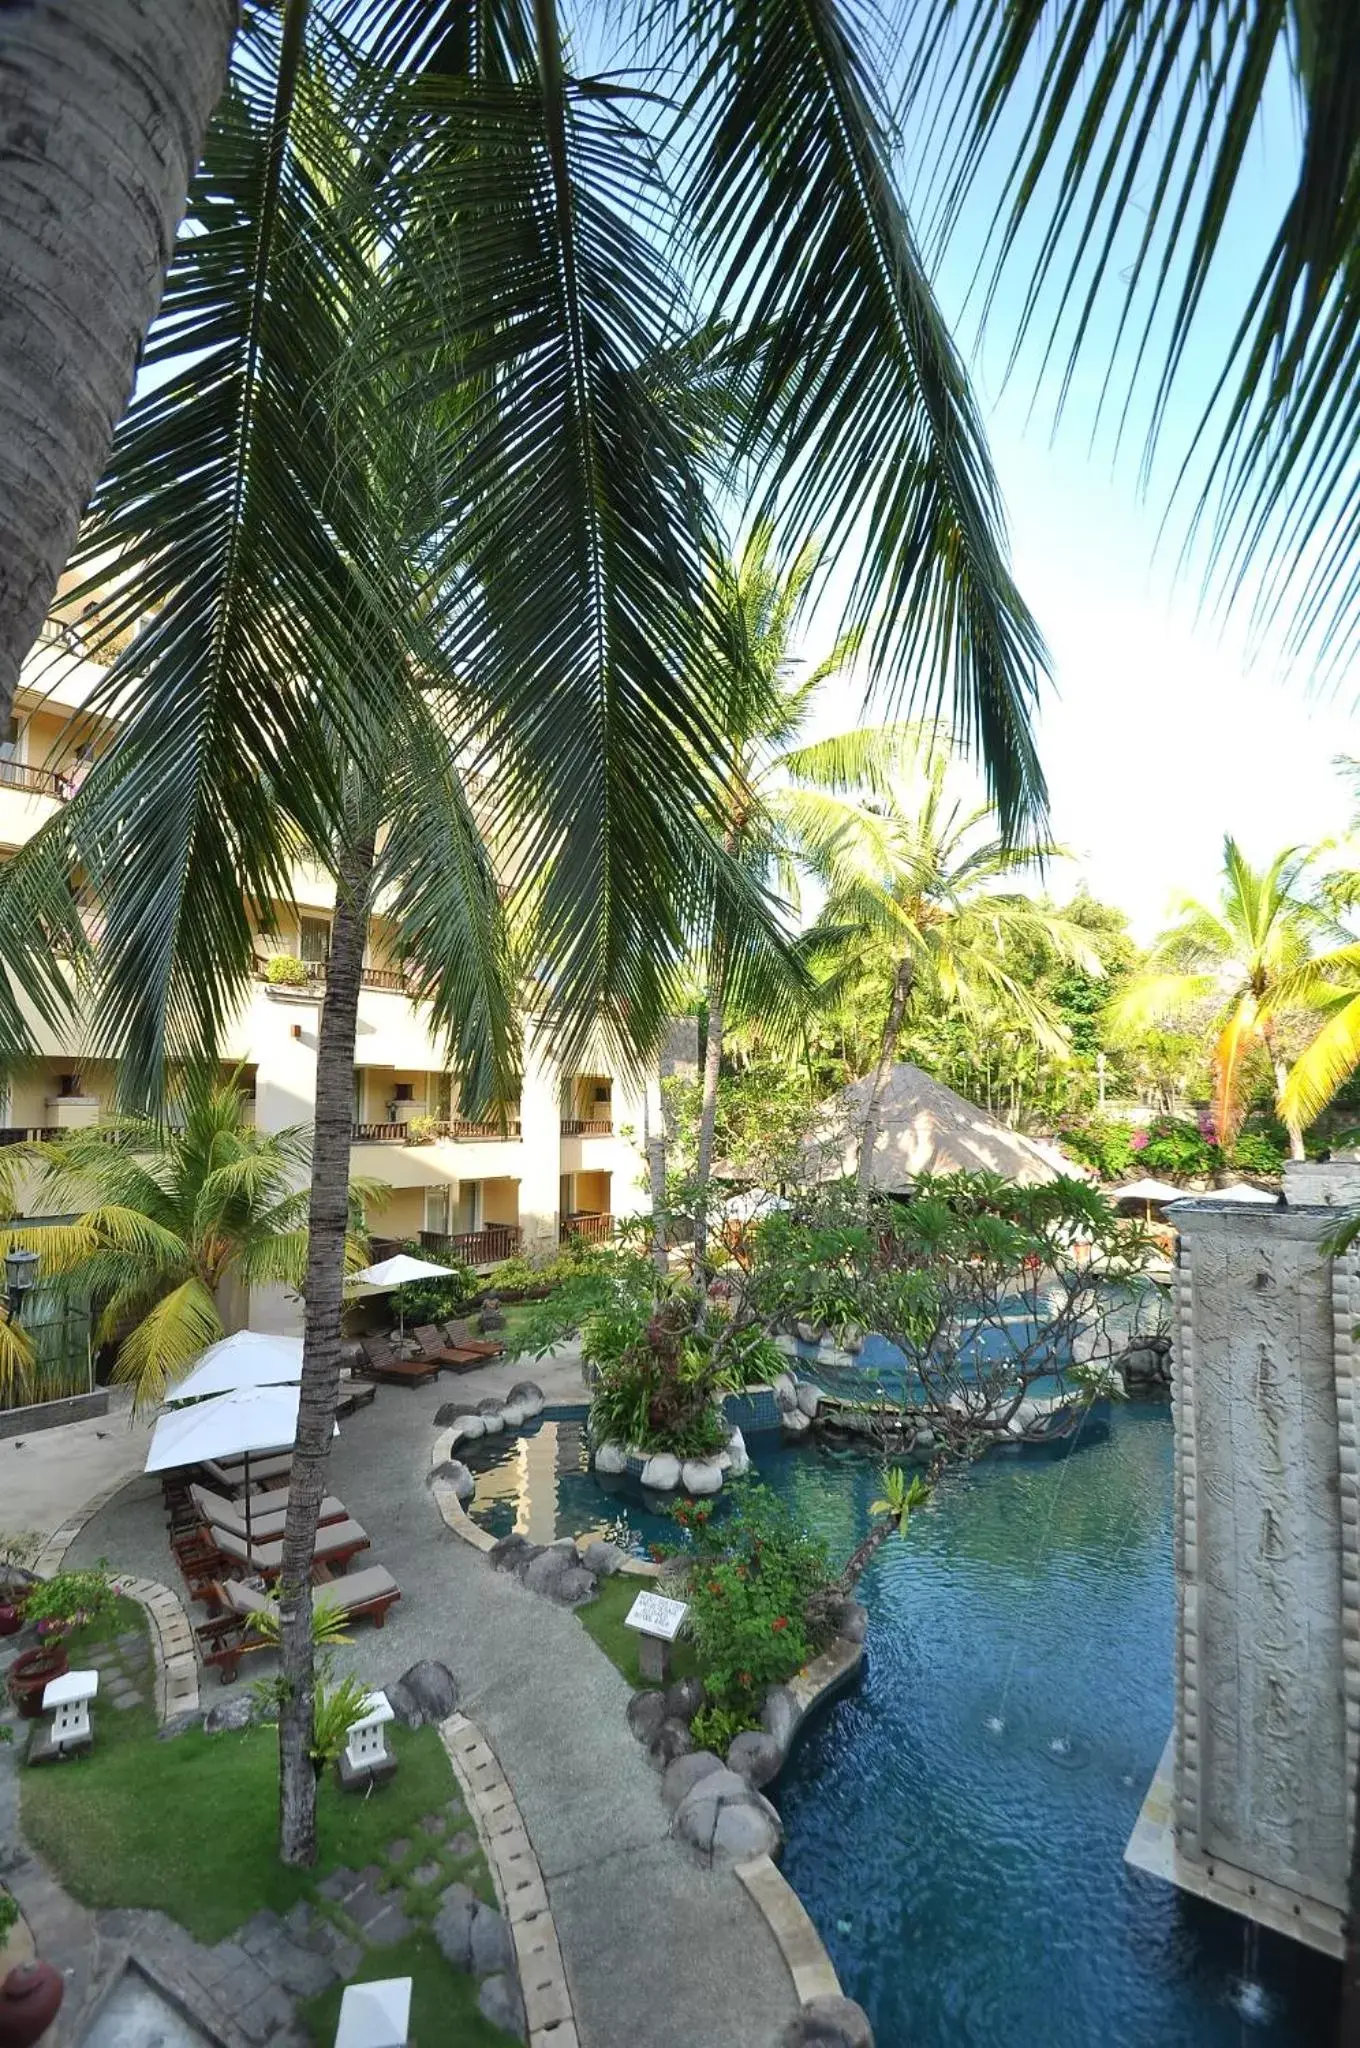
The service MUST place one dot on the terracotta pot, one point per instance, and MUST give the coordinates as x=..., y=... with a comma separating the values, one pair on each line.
x=30, y=1998
x=30, y=1673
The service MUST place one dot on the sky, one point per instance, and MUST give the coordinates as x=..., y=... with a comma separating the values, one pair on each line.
x=1164, y=726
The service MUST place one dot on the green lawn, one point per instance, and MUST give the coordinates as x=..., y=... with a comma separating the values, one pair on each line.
x=443, y=2001
x=602, y=1618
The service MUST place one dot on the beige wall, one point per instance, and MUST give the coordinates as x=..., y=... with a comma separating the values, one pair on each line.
x=400, y=1214
x=500, y=1201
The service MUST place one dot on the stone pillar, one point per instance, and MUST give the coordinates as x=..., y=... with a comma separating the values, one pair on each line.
x=1267, y=1723
x=541, y=1124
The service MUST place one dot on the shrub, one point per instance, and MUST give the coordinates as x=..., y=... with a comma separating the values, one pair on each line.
x=1256, y=1152
x=285, y=970
x=1107, y=1148
x=1176, y=1146
x=754, y=1571
x=72, y=1598
x=662, y=1367
x=9, y=1913
x=430, y=1301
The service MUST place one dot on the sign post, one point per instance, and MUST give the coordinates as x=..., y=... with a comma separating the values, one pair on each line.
x=658, y=1622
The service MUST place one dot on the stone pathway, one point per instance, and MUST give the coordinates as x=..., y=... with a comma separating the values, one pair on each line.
x=122, y=1668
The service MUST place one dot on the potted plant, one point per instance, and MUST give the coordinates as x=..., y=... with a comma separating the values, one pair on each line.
x=17, y=1554
x=285, y=970
x=58, y=1605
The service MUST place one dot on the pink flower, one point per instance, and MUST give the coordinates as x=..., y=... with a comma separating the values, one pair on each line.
x=1138, y=1141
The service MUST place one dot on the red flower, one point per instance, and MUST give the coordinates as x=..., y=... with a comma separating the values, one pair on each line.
x=780, y=1621
x=714, y=1587
x=655, y=1550
x=746, y=1678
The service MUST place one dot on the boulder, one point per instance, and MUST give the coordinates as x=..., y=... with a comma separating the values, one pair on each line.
x=795, y=1423
x=779, y=1715
x=229, y=1715
x=684, y=1698
x=177, y=1725
x=512, y=1552
x=573, y=1587
x=452, y=1925
x=852, y=1337
x=807, y=1333
x=528, y=1395
x=849, y=1619
x=809, y=1399
x=453, y=1411
x=493, y=1951
x=701, y=1475
x=513, y=1415
x=542, y=1571
x=681, y=1776
x=499, y=2002
x=721, y=1820
x=646, y=1712
x=424, y=1695
x=492, y=1413
x=468, y=1428
x=785, y=1391
x=661, y=1472
x=602, y=1558
x=739, y=1458
x=828, y=2022
x=452, y=1473
x=672, y=1739
x=611, y=1459
x=755, y=1756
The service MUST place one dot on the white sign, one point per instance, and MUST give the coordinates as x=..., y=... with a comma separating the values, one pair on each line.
x=657, y=1617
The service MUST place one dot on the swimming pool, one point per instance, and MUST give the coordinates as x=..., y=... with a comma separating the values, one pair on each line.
x=956, y=1823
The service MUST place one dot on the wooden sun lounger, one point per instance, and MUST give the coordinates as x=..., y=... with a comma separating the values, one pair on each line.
x=401, y=1372
x=336, y=1544
x=229, y=1475
x=477, y=1347
x=355, y=1394
x=266, y=1523
x=230, y=1634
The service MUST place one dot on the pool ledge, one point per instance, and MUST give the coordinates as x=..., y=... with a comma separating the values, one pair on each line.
x=807, y=1962
x=457, y=1519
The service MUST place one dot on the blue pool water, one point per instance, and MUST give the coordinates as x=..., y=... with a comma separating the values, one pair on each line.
x=956, y=1823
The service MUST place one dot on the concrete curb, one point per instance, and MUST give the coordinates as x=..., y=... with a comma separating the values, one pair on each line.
x=809, y=1965
x=172, y=1644
x=519, y=1883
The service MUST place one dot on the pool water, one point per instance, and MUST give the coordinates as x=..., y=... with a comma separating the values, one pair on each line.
x=956, y=1822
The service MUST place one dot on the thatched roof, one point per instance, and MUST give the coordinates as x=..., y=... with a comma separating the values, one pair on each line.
x=925, y=1127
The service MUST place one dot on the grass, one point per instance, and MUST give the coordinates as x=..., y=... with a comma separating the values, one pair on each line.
x=602, y=1618
x=190, y=1826
x=443, y=2002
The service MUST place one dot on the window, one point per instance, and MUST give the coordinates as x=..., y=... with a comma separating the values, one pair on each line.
x=405, y=1091
x=9, y=745
x=314, y=940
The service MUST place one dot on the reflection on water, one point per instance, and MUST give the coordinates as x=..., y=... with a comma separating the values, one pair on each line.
x=956, y=1824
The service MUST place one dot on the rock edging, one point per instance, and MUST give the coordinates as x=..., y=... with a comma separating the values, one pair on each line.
x=445, y=1488
x=519, y=1883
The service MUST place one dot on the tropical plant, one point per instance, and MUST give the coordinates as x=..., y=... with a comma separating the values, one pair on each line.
x=170, y=1213
x=285, y=970
x=903, y=1493
x=661, y=1366
x=71, y=1599
x=913, y=878
x=1245, y=963
x=1105, y=1147
x=755, y=1571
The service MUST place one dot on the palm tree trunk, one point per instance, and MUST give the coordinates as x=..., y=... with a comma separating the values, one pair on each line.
x=654, y=1140
x=708, y=1106
x=327, y=1222
x=103, y=111
x=897, y=1010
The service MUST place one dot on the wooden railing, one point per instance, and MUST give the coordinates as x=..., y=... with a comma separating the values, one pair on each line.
x=464, y=1128
x=594, y=1229
x=314, y=976
x=587, y=1127
x=37, y=781
x=27, y=1134
x=377, y=1134
x=485, y=1247
x=422, y=1130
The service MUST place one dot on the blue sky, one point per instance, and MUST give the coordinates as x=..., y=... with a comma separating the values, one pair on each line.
x=1166, y=724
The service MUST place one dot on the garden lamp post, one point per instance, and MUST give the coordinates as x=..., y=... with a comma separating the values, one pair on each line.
x=21, y=1271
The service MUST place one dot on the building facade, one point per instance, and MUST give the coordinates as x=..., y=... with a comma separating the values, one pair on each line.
x=567, y=1160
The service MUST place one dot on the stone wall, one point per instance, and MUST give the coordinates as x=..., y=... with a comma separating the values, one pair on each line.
x=1267, y=1557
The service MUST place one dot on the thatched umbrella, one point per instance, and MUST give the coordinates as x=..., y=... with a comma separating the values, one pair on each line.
x=925, y=1127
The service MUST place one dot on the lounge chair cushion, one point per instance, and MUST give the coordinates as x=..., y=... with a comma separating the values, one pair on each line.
x=337, y=1536
x=266, y=1523
x=358, y=1589
x=231, y=1476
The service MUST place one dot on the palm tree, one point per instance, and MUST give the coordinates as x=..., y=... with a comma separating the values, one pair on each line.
x=450, y=512
x=170, y=1216
x=749, y=675
x=1247, y=962
x=912, y=883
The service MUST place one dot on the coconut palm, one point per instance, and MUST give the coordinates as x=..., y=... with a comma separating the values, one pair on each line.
x=1245, y=962
x=913, y=881
x=763, y=706
x=170, y=1217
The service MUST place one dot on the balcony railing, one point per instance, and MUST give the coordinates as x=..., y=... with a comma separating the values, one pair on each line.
x=587, y=1127
x=27, y=1134
x=594, y=1229
x=36, y=781
x=422, y=1130
x=485, y=1247
x=314, y=976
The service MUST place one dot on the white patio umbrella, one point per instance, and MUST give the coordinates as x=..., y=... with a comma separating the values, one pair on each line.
x=248, y=1358
x=399, y=1271
x=251, y=1419
x=1240, y=1191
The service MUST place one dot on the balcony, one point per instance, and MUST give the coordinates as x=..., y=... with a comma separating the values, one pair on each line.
x=460, y=1129
x=314, y=977
x=32, y=1134
x=484, y=1247
x=587, y=1127
x=590, y=1229
x=33, y=781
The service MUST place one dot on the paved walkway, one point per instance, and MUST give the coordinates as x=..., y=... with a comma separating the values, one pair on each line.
x=47, y=1474
x=658, y=1951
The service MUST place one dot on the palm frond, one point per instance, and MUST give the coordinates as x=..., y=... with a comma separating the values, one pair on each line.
x=165, y=1343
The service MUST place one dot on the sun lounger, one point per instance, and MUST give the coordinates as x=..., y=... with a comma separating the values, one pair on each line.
x=336, y=1544
x=381, y=1363
x=232, y=1632
x=480, y=1347
x=355, y=1394
x=229, y=1475
x=266, y=1522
